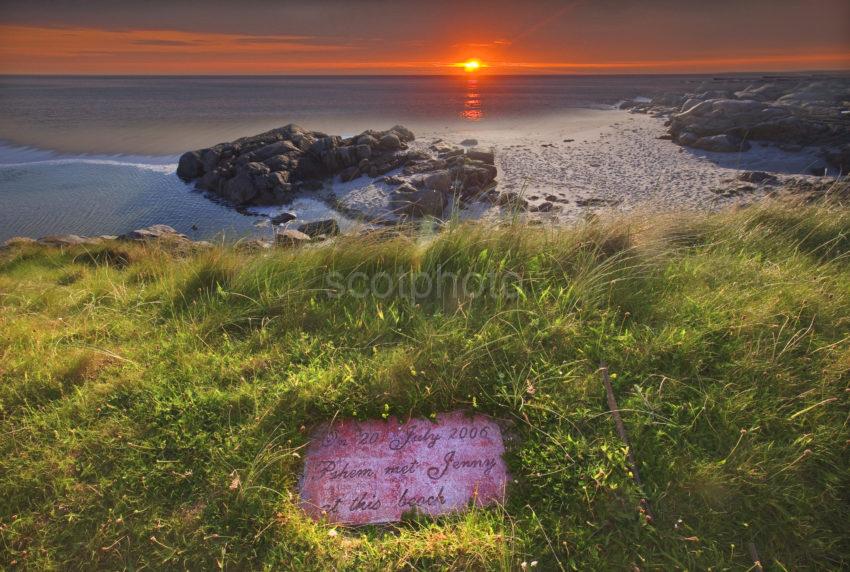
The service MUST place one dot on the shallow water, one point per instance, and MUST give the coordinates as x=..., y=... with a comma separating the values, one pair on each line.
x=168, y=115
x=47, y=193
x=92, y=196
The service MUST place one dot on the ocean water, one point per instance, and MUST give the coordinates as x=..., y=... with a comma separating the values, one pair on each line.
x=97, y=155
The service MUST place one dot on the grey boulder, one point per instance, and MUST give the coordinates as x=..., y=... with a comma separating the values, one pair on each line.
x=414, y=202
x=155, y=232
x=284, y=218
x=291, y=237
x=327, y=227
x=721, y=144
x=484, y=155
x=390, y=142
x=190, y=166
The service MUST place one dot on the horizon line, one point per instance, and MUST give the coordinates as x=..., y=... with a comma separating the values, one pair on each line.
x=845, y=70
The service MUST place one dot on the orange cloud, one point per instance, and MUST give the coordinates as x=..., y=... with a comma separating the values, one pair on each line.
x=730, y=63
x=29, y=49
x=45, y=50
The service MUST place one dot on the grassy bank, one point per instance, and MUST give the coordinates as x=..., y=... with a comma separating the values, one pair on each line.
x=155, y=403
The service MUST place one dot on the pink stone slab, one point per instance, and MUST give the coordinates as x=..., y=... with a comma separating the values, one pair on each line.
x=367, y=472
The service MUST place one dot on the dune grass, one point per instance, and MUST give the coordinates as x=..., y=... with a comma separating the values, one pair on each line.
x=155, y=403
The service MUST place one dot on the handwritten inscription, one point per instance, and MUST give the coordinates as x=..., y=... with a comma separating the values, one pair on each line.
x=361, y=472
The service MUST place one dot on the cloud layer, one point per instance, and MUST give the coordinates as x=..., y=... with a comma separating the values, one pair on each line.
x=402, y=36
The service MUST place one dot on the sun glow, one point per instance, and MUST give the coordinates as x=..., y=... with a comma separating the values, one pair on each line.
x=471, y=65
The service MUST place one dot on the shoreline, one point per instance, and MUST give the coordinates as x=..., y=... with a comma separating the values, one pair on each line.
x=626, y=164
x=566, y=165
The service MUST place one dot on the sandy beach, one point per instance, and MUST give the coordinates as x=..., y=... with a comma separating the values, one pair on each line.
x=588, y=160
x=618, y=159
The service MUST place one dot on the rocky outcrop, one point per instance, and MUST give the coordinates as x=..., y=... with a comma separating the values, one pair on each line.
x=284, y=218
x=731, y=122
x=270, y=168
x=291, y=237
x=758, y=178
x=512, y=201
x=430, y=182
x=18, y=241
x=63, y=240
x=327, y=227
x=414, y=202
x=723, y=143
x=758, y=184
x=266, y=169
x=790, y=112
x=157, y=232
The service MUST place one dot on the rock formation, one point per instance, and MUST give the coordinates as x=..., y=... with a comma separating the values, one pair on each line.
x=265, y=169
x=269, y=168
x=156, y=233
x=791, y=112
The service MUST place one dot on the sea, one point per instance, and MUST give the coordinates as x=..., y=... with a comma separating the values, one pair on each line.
x=97, y=155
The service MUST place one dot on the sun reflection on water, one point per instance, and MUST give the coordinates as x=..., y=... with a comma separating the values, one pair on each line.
x=472, y=107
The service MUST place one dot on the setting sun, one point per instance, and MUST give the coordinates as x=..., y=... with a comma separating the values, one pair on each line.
x=471, y=65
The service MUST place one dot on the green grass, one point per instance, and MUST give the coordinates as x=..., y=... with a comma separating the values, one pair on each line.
x=139, y=382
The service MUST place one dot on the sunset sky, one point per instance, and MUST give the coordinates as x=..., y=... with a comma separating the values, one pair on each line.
x=423, y=36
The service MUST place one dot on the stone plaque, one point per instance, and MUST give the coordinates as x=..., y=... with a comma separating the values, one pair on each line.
x=362, y=472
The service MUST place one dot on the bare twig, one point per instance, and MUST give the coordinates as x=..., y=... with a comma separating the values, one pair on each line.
x=621, y=431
